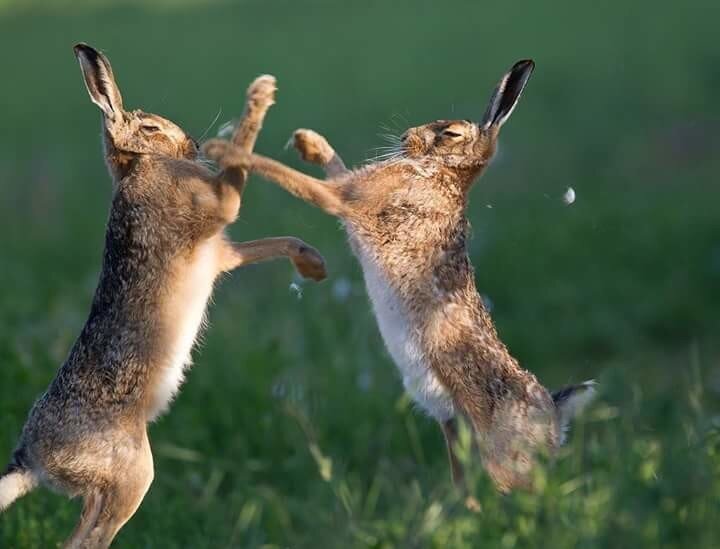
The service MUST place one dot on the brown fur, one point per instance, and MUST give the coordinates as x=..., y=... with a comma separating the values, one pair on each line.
x=165, y=245
x=406, y=219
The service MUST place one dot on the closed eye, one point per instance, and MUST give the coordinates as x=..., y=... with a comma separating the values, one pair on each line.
x=149, y=128
x=449, y=133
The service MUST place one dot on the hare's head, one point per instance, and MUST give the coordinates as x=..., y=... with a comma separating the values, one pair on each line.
x=463, y=143
x=129, y=133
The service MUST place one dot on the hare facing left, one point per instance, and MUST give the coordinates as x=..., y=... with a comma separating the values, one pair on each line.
x=406, y=221
x=165, y=246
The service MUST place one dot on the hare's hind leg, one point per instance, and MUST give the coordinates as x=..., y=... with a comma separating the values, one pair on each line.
x=92, y=503
x=104, y=513
x=450, y=430
x=109, y=506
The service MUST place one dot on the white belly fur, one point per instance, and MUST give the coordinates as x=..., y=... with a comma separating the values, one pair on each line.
x=184, y=317
x=418, y=378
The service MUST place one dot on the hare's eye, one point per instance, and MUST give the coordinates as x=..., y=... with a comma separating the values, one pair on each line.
x=450, y=133
x=149, y=128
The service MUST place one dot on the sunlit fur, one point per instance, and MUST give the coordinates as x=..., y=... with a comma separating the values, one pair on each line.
x=145, y=133
x=165, y=245
x=140, y=133
x=452, y=143
x=405, y=216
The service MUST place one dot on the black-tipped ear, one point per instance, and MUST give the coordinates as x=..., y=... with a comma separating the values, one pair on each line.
x=507, y=93
x=99, y=80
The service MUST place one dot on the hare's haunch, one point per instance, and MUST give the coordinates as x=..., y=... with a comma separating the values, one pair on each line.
x=405, y=218
x=165, y=246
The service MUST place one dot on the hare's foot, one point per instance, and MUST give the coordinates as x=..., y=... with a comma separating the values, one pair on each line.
x=309, y=263
x=261, y=94
x=312, y=147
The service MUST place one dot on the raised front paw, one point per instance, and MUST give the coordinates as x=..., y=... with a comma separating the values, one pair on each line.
x=226, y=154
x=261, y=93
x=312, y=147
x=309, y=263
x=215, y=149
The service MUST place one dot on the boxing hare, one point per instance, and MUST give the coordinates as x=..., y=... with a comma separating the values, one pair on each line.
x=405, y=218
x=164, y=248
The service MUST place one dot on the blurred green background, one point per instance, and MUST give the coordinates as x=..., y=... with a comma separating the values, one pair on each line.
x=292, y=429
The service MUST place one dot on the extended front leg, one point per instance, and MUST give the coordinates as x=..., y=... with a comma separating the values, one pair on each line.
x=260, y=97
x=312, y=190
x=307, y=260
x=315, y=191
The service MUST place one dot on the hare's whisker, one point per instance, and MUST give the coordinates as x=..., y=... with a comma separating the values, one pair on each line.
x=390, y=138
x=387, y=149
x=214, y=120
x=399, y=117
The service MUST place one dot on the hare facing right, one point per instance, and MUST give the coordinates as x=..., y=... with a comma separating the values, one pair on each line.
x=165, y=246
x=405, y=218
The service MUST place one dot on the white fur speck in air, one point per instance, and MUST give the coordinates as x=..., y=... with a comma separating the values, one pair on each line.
x=296, y=289
x=569, y=196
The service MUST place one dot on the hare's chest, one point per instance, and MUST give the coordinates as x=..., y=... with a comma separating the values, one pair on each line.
x=401, y=341
x=184, y=316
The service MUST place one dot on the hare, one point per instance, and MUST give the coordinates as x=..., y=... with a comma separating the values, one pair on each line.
x=164, y=248
x=405, y=218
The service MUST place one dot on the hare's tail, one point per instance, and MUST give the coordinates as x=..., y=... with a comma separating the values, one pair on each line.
x=570, y=401
x=14, y=483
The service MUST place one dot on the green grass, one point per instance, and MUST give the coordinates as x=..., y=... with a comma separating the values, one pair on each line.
x=292, y=429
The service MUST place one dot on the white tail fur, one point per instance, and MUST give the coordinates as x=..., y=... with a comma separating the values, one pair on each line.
x=15, y=484
x=570, y=401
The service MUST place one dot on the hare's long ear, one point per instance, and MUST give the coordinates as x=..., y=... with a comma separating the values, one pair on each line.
x=506, y=94
x=99, y=81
